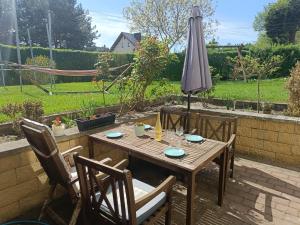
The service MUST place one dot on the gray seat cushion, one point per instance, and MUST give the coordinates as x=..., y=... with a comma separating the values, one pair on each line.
x=140, y=189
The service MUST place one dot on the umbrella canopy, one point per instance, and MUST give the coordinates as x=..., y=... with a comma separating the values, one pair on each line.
x=195, y=76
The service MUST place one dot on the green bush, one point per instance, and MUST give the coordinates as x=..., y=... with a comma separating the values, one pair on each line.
x=74, y=59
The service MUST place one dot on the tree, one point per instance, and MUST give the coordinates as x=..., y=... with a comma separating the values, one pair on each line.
x=71, y=24
x=168, y=20
x=280, y=21
x=150, y=59
x=6, y=22
x=258, y=68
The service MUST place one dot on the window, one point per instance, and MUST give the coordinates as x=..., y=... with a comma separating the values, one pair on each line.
x=128, y=45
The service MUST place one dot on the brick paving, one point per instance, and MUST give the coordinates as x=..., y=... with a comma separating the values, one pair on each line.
x=259, y=194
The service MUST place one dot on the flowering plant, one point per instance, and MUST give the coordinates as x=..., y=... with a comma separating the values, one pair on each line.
x=57, y=121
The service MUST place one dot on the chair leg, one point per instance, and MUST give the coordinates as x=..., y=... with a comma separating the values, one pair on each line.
x=231, y=165
x=168, y=215
x=76, y=212
x=47, y=201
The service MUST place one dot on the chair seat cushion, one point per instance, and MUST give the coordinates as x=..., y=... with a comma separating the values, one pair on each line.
x=140, y=189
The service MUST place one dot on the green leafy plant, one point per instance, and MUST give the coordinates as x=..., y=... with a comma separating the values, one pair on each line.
x=88, y=109
x=41, y=61
x=293, y=86
x=28, y=109
x=151, y=58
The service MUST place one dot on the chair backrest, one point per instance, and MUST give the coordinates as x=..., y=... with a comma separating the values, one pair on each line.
x=216, y=127
x=173, y=118
x=110, y=197
x=44, y=146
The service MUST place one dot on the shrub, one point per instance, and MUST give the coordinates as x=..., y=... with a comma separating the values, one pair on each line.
x=42, y=61
x=293, y=86
x=29, y=109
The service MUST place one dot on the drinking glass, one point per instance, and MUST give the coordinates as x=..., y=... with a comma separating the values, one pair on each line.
x=179, y=131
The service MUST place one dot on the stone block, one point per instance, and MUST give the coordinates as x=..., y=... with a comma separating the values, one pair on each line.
x=27, y=157
x=33, y=201
x=296, y=150
x=279, y=126
x=28, y=172
x=290, y=160
x=244, y=131
x=288, y=138
x=8, y=179
x=252, y=123
x=15, y=193
x=9, y=162
x=9, y=211
x=63, y=146
x=277, y=147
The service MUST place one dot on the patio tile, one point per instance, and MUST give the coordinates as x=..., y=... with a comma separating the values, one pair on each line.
x=259, y=194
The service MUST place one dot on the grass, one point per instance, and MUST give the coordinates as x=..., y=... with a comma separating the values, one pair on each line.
x=272, y=91
x=62, y=102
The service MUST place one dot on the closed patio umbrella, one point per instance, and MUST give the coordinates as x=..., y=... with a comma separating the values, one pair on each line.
x=195, y=76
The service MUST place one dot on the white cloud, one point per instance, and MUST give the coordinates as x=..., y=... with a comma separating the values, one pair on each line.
x=235, y=32
x=109, y=26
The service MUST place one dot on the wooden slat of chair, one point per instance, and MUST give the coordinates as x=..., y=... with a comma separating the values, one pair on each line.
x=224, y=130
x=47, y=152
x=126, y=202
x=172, y=118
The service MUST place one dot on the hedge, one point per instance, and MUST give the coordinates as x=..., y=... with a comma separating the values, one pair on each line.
x=74, y=59
x=64, y=59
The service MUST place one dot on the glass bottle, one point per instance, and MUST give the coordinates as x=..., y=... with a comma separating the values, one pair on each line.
x=158, y=129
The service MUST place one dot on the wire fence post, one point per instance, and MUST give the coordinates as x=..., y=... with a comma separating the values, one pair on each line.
x=2, y=70
x=49, y=34
x=14, y=9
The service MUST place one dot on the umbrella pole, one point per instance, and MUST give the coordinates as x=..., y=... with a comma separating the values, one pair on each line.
x=189, y=102
x=188, y=110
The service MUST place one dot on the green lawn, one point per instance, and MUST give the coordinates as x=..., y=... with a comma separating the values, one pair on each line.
x=272, y=91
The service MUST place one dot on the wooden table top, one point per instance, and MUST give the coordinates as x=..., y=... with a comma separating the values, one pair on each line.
x=197, y=154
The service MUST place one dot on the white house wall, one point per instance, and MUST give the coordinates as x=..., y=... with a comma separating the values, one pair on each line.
x=124, y=46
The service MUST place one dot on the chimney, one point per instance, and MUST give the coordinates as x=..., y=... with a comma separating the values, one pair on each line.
x=138, y=36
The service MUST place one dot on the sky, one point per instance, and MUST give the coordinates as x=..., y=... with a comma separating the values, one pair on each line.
x=235, y=19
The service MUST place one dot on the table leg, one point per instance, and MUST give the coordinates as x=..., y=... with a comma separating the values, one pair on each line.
x=91, y=148
x=222, y=178
x=190, y=199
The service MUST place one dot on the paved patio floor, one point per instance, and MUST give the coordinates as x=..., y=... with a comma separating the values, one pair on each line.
x=259, y=194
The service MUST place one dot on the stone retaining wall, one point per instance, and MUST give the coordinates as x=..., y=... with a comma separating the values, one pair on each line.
x=24, y=185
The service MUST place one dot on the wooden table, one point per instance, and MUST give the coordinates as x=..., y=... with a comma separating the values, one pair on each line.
x=146, y=148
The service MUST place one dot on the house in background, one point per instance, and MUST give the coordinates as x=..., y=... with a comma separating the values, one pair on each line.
x=126, y=42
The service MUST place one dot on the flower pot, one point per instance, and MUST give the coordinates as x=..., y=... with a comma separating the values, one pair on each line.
x=58, y=130
x=100, y=121
x=139, y=131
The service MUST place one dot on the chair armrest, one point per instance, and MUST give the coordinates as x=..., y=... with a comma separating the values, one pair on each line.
x=166, y=186
x=231, y=141
x=120, y=165
x=68, y=155
x=75, y=149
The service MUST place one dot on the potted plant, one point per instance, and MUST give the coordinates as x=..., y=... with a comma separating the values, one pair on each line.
x=58, y=127
x=91, y=120
x=139, y=129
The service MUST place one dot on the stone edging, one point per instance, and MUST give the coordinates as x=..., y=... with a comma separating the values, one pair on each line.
x=14, y=147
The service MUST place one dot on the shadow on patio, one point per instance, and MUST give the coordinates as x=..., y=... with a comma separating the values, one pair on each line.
x=258, y=194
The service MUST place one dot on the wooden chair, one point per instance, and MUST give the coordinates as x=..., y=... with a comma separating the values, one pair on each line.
x=59, y=167
x=117, y=198
x=173, y=118
x=219, y=128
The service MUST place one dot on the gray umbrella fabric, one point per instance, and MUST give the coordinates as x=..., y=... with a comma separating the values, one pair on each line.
x=196, y=75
